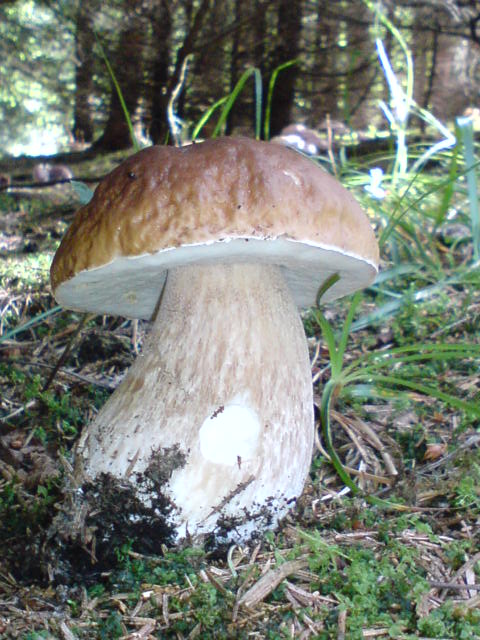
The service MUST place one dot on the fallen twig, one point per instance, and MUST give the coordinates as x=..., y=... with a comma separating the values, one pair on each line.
x=270, y=581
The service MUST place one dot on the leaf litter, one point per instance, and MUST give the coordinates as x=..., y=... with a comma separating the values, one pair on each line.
x=298, y=582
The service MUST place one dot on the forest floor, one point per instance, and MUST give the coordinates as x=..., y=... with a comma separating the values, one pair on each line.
x=340, y=566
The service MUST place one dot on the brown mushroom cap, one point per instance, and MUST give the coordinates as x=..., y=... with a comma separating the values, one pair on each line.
x=224, y=200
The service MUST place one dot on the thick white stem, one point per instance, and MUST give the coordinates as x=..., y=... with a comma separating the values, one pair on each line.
x=224, y=377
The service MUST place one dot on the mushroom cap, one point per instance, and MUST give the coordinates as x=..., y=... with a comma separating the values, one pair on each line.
x=224, y=200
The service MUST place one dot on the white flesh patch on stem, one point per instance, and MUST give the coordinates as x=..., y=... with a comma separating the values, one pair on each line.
x=230, y=434
x=225, y=376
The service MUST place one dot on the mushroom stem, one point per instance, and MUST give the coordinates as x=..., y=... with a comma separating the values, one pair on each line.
x=224, y=378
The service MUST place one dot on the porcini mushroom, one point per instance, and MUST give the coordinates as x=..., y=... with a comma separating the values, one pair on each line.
x=218, y=243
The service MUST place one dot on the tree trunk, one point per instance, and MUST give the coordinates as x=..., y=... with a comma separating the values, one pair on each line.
x=452, y=91
x=247, y=50
x=84, y=47
x=361, y=80
x=323, y=88
x=128, y=70
x=235, y=60
x=161, y=27
x=193, y=32
x=289, y=29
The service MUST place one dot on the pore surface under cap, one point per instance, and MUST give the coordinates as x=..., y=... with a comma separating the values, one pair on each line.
x=229, y=199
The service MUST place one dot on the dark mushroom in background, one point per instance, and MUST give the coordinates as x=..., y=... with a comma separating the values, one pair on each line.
x=5, y=181
x=300, y=137
x=51, y=173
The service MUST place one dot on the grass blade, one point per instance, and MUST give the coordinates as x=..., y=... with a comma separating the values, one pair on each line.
x=233, y=96
x=432, y=392
x=30, y=323
x=271, y=87
x=465, y=127
x=206, y=117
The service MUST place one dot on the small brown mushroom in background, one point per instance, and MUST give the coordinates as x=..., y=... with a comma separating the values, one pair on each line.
x=41, y=173
x=60, y=172
x=5, y=180
x=299, y=137
x=51, y=173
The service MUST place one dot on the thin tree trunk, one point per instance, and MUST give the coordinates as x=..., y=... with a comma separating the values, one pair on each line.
x=235, y=61
x=128, y=69
x=162, y=26
x=289, y=29
x=84, y=46
x=188, y=45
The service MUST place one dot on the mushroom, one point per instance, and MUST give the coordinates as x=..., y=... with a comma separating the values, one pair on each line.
x=299, y=137
x=218, y=243
x=51, y=173
x=5, y=181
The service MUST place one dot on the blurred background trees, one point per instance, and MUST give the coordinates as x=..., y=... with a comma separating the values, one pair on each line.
x=56, y=85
